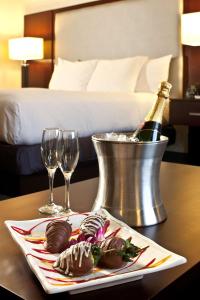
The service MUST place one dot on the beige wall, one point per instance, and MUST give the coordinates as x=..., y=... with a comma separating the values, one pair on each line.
x=32, y=6
x=11, y=25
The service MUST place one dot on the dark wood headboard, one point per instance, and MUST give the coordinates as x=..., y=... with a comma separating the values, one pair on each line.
x=42, y=25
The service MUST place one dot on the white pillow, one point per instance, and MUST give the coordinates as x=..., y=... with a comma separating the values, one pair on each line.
x=72, y=76
x=152, y=73
x=119, y=75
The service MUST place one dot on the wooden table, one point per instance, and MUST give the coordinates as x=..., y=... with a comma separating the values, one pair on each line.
x=180, y=233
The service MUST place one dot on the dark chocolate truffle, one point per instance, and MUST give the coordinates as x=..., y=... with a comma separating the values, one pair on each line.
x=91, y=224
x=58, y=233
x=76, y=260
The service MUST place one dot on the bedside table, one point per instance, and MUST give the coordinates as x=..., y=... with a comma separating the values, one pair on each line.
x=187, y=112
x=184, y=112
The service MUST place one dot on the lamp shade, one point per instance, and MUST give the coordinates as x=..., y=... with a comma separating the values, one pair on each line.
x=25, y=48
x=190, y=29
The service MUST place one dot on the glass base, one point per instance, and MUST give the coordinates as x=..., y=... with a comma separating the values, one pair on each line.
x=51, y=209
x=66, y=212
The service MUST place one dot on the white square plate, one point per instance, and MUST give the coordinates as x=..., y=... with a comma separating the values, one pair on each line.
x=30, y=235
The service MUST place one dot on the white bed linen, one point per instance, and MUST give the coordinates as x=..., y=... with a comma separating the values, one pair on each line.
x=24, y=113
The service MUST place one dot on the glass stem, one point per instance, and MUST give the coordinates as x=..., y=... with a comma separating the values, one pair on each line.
x=67, y=184
x=51, y=173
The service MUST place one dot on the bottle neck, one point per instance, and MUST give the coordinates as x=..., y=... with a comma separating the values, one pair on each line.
x=156, y=112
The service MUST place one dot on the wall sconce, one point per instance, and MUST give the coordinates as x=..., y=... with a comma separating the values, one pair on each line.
x=24, y=49
x=190, y=36
x=190, y=29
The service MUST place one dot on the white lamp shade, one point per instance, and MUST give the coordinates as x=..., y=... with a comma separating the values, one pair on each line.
x=190, y=29
x=26, y=48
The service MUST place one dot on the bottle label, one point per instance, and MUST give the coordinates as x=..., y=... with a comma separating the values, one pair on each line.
x=150, y=132
x=152, y=125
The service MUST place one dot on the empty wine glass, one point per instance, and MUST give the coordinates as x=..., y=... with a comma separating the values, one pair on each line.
x=49, y=153
x=68, y=154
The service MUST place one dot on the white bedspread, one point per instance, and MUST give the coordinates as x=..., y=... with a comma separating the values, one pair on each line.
x=24, y=113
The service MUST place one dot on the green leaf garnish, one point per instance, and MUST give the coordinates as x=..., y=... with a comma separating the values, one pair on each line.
x=129, y=251
x=96, y=252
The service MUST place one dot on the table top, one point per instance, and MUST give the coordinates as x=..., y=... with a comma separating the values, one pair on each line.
x=180, y=191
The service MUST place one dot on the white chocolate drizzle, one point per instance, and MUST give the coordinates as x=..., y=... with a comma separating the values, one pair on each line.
x=105, y=244
x=91, y=224
x=109, y=245
x=74, y=253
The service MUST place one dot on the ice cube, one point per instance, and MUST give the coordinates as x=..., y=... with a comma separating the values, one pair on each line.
x=123, y=138
x=133, y=139
x=120, y=137
x=111, y=136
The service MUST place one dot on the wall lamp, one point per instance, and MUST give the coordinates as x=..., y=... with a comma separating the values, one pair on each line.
x=190, y=36
x=24, y=49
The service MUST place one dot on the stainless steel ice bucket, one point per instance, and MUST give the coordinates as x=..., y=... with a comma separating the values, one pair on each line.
x=129, y=180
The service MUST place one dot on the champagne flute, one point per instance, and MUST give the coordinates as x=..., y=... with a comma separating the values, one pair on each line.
x=68, y=154
x=49, y=153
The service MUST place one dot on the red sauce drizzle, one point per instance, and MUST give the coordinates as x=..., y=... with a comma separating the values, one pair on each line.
x=28, y=232
x=40, y=251
x=35, y=241
x=51, y=261
x=49, y=270
x=147, y=265
x=114, y=233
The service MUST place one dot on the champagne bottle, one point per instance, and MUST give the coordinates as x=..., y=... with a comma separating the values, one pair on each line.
x=151, y=129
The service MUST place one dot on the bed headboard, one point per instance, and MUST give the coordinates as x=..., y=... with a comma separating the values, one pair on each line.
x=117, y=29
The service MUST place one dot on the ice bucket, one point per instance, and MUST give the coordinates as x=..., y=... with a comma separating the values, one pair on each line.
x=129, y=180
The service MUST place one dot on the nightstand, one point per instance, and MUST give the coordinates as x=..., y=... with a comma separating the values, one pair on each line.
x=187, y=112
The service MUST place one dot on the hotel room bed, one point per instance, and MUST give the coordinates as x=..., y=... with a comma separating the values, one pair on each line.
x=24, y=113
x=71, y=32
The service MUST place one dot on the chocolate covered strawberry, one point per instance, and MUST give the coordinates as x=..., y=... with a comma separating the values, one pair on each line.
x=116, y=252
x=91, y=224
x=58, y=233
x=93, y=228
x=77, y=260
